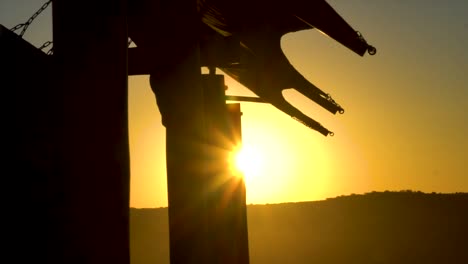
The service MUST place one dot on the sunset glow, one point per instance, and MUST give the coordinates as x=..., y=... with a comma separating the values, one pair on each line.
x=248, y=160
x=404, y=126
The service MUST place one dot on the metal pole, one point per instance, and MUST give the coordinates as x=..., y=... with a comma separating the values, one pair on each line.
x=92, y=212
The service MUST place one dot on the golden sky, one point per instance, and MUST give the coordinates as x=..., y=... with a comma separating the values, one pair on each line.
x=405, y=124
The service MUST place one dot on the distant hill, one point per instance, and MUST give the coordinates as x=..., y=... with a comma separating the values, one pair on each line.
x=379, y=227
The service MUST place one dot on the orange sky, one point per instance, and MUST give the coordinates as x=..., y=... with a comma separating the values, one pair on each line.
x=404, y=127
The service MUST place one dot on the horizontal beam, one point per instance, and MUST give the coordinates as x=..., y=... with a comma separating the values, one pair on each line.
x=245, y=99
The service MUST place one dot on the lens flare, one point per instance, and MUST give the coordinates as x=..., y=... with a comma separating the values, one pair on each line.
x=248, y=162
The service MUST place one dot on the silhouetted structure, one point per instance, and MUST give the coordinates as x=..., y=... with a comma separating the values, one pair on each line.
x=74, y=142
x=90, y=55
x=32, y=156
x=243, y=39
x=68, y=150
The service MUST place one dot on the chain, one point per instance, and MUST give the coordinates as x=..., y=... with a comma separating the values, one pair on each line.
x=13, y=29
x=30, y=20
x=45, y=45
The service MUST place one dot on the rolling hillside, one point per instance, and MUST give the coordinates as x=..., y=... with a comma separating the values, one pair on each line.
x=378, y=227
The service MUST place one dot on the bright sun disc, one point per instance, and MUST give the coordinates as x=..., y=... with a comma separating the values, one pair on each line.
x=248, y=161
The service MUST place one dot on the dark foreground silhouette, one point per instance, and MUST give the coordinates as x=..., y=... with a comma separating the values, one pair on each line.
x=379, y=227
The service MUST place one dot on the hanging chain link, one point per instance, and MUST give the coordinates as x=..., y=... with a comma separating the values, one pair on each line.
x=13, y=29
x=30, y=20
x=45, y=45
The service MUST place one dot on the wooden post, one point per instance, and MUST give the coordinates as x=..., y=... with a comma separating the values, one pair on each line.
x=203, y=224
x=31, y=156
x=225, y=188
x=92, y=211
x=180, y=100
x=240, y=227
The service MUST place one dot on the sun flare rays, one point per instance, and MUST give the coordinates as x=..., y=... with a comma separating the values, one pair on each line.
x=248, y=161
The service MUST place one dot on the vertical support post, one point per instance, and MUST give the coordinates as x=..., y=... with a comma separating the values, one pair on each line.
x=186, y=170
x=206, y=203
x=179, y=95
x=30, y=148
x=92, y=204
x=240, y=227
x=225, y=188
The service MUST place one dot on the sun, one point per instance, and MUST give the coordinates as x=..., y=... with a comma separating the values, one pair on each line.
x=248, y=161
